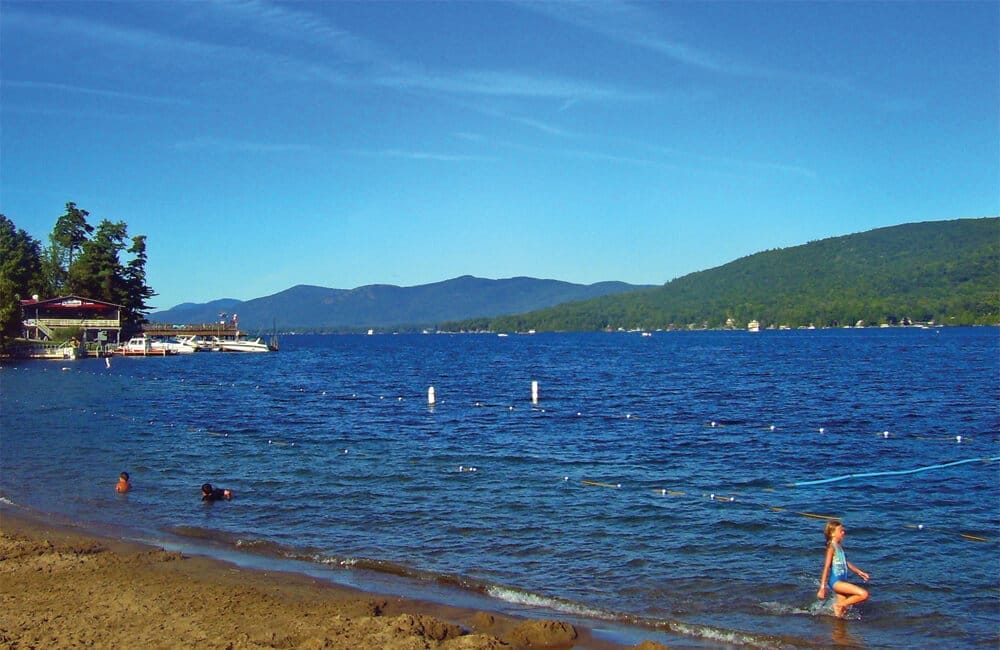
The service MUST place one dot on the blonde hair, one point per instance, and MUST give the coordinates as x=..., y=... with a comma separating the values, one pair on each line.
x=831, y=525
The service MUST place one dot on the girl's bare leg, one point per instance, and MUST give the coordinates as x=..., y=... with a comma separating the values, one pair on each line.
x=848, y=594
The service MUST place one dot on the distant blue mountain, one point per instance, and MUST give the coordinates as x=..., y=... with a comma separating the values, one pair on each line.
x=306, y=307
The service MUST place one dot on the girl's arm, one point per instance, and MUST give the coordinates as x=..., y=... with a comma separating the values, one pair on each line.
x=821, y=594
x=864, y=576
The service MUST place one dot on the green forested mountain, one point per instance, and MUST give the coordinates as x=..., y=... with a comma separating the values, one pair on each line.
x=947, y=272
x=381, y=305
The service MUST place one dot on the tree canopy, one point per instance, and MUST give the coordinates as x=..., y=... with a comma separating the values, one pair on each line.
x=80, y=260
x=947, y=272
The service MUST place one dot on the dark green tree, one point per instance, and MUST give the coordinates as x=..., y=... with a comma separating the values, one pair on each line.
x=137, y=292
x=98, y=272
x=20, y=275
x=69, y=235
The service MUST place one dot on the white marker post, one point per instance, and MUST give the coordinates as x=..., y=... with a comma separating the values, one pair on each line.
x=534, y=392
x=430, y=396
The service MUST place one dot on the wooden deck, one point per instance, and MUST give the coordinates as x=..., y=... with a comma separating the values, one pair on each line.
x=204, y=330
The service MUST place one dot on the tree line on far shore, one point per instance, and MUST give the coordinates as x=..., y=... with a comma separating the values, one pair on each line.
x=102, y=263
x=942, y=272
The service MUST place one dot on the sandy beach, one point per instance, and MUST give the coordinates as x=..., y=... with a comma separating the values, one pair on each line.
x=62, y=587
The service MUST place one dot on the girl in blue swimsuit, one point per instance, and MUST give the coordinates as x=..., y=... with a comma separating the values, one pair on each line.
x=836, y=568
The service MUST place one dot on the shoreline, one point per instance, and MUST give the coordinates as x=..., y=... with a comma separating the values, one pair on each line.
x=65, y=585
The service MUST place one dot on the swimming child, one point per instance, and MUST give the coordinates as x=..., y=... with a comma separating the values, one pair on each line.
x=123, y=484
x=209, y=493
x=835, y=572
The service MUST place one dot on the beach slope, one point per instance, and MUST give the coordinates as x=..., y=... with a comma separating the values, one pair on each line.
x=63, y=587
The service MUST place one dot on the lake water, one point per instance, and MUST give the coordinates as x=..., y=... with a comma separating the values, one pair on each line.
x=649, y=492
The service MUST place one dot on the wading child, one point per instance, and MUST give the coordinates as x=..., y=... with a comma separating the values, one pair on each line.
x=835, y=572
x=123, y=484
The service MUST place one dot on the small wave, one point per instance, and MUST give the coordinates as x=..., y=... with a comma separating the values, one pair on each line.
x=730, y=637
x=783, y=609
x=7, y=502
x=519, y=597
x=242, y=542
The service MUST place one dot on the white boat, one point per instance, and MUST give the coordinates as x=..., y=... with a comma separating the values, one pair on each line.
x=242, y=345
x=753, y=326
x=140, y=346
x=197, y=343
x=177, y=346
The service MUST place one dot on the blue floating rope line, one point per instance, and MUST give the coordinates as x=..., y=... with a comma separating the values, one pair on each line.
x=893, y=472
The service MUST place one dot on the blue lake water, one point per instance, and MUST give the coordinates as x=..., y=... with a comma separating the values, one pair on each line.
x=649, y=490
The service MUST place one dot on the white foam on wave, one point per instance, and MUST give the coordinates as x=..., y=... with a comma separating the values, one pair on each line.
x=518, y=597
x=781, y=608
x=7, y=502
x=726, y=637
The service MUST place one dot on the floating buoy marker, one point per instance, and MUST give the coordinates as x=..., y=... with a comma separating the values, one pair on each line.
x=430, y=396
x=534, y=392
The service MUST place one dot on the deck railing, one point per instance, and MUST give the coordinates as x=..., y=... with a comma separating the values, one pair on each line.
x=89, y=323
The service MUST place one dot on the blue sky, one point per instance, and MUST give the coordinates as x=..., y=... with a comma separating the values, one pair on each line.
x=260, y=145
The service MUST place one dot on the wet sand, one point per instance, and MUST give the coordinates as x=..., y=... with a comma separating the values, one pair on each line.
x=64, y=587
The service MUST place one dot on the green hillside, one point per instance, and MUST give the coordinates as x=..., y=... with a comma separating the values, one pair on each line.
x=947, y=272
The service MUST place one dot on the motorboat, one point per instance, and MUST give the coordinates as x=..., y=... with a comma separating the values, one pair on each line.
x=242, y=345
x=141, y=346
x=174, y=346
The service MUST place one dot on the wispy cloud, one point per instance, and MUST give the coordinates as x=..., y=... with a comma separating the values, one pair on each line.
x=508, y=84
x=379, y=67
x=277, y=21
x=237, y=146
x=422, y=155
x=727, y=163
x=352, y=60
x=97, y=92
x=636, y=26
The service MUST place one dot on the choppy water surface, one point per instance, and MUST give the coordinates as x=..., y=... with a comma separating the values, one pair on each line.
x=650, y=484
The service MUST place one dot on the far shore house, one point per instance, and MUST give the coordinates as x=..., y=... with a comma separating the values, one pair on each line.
x=97, y=320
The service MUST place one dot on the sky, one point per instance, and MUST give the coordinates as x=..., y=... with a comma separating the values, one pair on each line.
x=260, y=145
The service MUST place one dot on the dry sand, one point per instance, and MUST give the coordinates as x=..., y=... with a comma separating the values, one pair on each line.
x=62, y=588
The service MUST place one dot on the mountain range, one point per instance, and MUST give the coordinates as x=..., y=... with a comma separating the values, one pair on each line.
x=312, y=308
x=941, y=272
x=945, y=272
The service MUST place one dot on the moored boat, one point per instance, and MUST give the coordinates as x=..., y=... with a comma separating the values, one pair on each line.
x=173, y=346
x=242, y=345
x=140, y=346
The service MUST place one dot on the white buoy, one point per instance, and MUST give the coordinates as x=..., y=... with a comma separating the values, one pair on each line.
x=885, y=434
x=958, y=438
x=430, y=396
x=534, y=392
x=772, y=427
x=822, y=430
x=107, y=361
